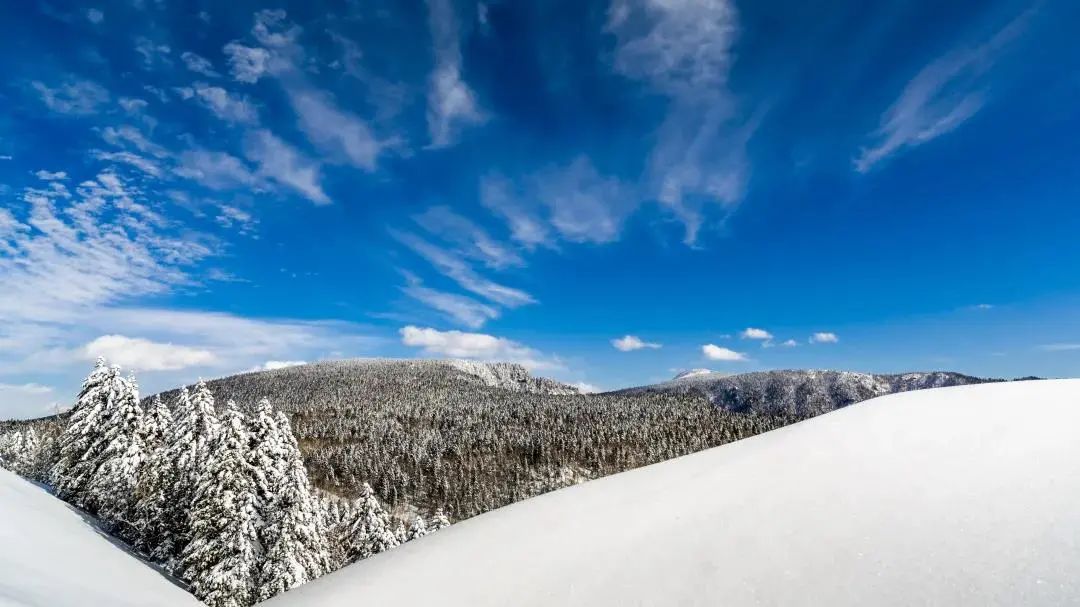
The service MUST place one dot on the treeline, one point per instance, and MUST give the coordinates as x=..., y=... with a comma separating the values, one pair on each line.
x=219, y=496
x=428, y=434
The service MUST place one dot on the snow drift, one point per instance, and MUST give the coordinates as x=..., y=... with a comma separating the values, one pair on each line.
x=50, y=556
x=952, y=496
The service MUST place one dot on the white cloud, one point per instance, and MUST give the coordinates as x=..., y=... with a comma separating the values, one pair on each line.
x=101, y=248
x=128, y=136
x=75, y=97
x=247, y=64
x=144, y=355
x=791, y=343
x=452, y=266
x=94, y=16
x=225, y=105
x=629, y=343
x=51, y=176
x=682, y=49
x=198, y=64
x=752, y=333
x=1059, y=347
x=574, y=202
x=584, y=206
x=499, y=196
x=151, y=53
x=273, y=365
x=942, y=96
x=464, y=310
x=25, y=401
x=452, y=104
x=479, y=346
x=715, y=352
x=143, y=164
x=824, y=338
x=342, y=134
x=470, y=240
x=215, y=170
x=586, y=387
x=281, y=162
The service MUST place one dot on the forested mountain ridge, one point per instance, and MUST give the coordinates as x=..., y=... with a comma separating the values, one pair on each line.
x=799, y=392
x=470, y=437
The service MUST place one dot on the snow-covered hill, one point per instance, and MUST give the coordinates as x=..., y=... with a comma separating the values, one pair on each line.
x=802, y=392
x=50, y=556
x=953, y=496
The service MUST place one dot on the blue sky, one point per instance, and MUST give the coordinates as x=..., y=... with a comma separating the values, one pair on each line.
x=608, y=192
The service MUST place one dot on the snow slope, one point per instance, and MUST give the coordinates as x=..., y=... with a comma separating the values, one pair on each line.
x=951, y=496
x=51, y=557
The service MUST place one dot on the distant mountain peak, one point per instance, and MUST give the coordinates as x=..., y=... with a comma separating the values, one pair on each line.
x=691, y=373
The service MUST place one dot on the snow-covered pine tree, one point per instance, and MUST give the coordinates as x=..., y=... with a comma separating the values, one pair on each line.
x=267, y=453
x=417, y=529
x=80, y=444
x=12, y=452
x=297, y=539
x=152, y=511
x=112, y=490
x=439, y=521
x=370, y=532
x=222, y=559
x=400, y=534
x=197, y=428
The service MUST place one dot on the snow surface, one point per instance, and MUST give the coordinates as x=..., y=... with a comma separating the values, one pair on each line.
x=951, y=496
x=51, y=556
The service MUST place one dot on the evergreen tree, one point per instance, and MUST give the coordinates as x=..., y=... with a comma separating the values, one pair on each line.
x=152, y=511
x=297, y=539
x=196, y=432
x=222, y=559
x=439, y=521
x=370, y=532
x=112, y=490
x=417, y=529
x=81, y=444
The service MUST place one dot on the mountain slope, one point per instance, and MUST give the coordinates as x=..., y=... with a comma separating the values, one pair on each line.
x=800, y=392
x=50, y=556
x=954, y=496
x=470, y=437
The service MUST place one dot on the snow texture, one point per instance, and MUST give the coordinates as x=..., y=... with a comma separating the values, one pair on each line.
x=51, y=556
x=952, y=496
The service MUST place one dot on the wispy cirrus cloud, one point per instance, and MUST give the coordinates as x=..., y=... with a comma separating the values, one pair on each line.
x=73, y=96
x=683, y=50
x=452, y=104
x=280, y=162
x=942, y=96
x=454, y=267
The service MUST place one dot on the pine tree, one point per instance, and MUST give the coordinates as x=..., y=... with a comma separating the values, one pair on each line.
x=81, y=443
x=152, y=511
x=417, y=529
x=222, y=559
x=439, y=521
x=297, y=539
x=112, y=490
x=197, y=429
x=369, y=533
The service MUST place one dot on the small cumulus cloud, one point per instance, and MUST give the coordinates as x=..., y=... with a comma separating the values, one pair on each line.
x=715, y=352
x=629, y=343
x=752, y=333
x=824, y=337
